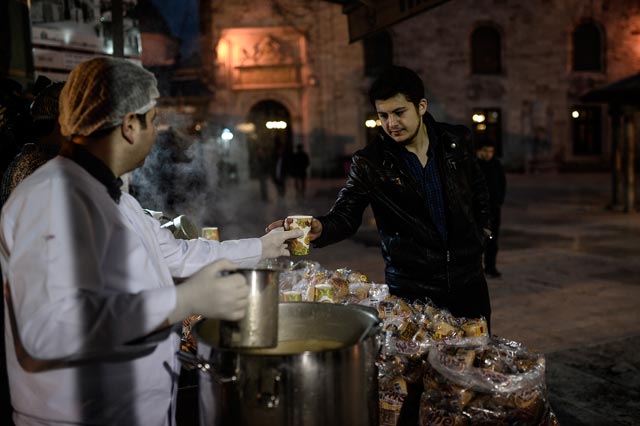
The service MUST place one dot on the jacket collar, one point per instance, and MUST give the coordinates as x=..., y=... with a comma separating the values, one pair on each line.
x=94, y=167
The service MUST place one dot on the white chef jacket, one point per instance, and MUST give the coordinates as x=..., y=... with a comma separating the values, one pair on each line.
x=86, y=275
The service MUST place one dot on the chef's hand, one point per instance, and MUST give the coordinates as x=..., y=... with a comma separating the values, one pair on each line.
x=212, y=295
x=316, y=227
x=274, y=243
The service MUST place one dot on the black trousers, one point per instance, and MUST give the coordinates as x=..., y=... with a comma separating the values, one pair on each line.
x=491, y=248
x=470, y=300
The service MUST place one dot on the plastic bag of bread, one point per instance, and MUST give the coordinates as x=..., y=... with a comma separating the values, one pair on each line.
x=392, y=389
x=499, y=366
x=500, y=383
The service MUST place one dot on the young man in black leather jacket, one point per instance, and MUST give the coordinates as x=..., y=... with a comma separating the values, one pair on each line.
x=428, y=196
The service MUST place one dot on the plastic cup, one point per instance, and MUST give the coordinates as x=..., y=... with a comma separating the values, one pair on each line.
x=211, y=233
x=299, y=246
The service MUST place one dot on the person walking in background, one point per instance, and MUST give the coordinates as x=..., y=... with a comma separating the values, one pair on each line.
x=280, y=168
x=497, y=185
x=299, y=165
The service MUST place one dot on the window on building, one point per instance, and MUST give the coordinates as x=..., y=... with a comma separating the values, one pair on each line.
x=487, y=125
x=378, y=53
x=588, y=50
x=587, y=130
x=485, y=51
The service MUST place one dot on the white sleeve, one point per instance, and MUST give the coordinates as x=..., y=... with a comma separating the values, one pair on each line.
x=57, y=244
x=185, y=257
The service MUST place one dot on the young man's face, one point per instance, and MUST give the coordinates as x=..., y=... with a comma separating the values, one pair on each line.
x=400, y=119
x=486, y=153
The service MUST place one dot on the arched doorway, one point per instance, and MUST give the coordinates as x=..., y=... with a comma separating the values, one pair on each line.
x=270, y=144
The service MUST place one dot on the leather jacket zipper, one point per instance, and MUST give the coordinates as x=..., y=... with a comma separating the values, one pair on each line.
x=447, y=269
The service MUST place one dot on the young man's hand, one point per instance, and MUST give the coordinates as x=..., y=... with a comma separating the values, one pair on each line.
x=314, y=233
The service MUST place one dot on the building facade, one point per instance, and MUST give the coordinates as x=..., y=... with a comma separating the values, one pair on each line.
x=514, y=71
x=285, y=63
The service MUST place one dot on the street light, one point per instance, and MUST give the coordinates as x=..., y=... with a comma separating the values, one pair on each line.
x=276, y=125
x=226, y=134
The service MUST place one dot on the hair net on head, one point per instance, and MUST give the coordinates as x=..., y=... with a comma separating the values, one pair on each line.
x=101, y=91
x=45, y=106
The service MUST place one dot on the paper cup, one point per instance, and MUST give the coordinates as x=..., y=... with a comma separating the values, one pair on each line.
x=292, y=296
x=211, y=233
x=299, y=246
x=324, y=293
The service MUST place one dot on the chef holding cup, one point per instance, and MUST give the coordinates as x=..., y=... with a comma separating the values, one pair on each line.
x=85, y=270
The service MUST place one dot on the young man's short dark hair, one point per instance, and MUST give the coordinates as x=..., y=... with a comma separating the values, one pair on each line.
x=483, y=141
x=396, y=80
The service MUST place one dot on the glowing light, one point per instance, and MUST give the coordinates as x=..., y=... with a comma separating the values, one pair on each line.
x=478, y=118
x=575, y=114
x=222, y=51
x=66, y=35
x=246, y=127
x=276, y=125
x=481, y=127
x=198, y=127
x=370, y=123
x=226, y=135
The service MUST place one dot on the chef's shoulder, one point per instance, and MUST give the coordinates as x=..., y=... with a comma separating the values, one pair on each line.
x=54, y=182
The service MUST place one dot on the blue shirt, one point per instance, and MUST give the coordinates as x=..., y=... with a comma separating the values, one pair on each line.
x=429, y=184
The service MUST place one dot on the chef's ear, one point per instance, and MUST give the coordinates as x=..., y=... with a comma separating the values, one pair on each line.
x=129, y=127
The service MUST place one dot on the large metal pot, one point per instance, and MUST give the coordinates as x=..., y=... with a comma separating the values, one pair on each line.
x=323, y=371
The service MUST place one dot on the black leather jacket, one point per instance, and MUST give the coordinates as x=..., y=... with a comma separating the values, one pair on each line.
x=417, y=257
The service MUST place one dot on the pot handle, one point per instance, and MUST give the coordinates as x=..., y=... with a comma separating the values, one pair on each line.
x=372, y=329
x=269, y=388
x=191, y=362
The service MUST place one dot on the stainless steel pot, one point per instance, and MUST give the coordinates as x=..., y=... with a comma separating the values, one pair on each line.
x=322, y=372
x=259, y=327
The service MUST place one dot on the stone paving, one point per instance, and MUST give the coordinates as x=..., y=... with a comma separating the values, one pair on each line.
x=570, y=286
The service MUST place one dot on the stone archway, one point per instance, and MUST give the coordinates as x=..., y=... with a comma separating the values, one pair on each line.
x=269, y=144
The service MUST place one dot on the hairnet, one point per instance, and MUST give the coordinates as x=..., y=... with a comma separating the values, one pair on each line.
x=101, y=91
x=45, y=106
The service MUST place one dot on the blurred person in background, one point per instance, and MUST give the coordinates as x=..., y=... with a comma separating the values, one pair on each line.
x=15, y=120
x=280, y=170
x=299, y=165
x=86, y=271
x=497, y=185
x=46, y=140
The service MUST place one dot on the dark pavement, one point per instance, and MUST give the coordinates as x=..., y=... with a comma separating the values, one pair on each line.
x=570, y=286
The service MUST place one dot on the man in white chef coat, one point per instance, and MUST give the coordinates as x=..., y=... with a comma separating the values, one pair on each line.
x=86, y=270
